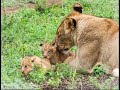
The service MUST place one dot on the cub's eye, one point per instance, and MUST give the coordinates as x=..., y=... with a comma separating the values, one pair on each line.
x=25, y=66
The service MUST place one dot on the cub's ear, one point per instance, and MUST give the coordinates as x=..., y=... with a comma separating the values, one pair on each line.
x=41, y=44
x=77, y=7
x=69, y=25
x=32, y=59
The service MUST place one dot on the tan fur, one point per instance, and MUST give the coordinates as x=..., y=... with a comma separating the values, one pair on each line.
x=28, y=62
x=96, y=40
x=50, y=52
x=69, y=59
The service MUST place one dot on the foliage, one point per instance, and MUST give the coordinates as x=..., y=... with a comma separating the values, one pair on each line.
x=102, y=85
x=53, y=77
x=83, y=71
x=54, y=81
x=60, y=71
x=22, y=32
x=94, y=81
x=40, y=5
x=37, y=76
x=99, y=70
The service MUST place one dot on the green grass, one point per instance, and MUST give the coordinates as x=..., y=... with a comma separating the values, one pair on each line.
x=23, y=31
x=103, y=85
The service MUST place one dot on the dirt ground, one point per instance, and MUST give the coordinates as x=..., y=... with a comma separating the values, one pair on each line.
x=13, y=9
x=81, y=82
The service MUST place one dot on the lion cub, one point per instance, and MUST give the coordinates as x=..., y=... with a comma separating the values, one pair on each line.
x=28, y=62
x=50, y=52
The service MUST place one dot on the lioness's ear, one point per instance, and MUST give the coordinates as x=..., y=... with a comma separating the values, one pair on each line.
x=53, y=44
x=77, y=7
x=69, y=25
x=74, y=23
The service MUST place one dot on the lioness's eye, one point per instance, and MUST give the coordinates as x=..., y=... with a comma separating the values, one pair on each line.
x=49, y=51
x=61, y=45
x=25, y=66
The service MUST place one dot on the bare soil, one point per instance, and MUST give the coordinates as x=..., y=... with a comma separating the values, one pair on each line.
x=13, y=9
x=81, y=82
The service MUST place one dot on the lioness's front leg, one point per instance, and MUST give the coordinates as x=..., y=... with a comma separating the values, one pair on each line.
x=74, y=63
x=87, y=55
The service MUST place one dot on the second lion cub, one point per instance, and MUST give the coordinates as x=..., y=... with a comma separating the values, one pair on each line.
x=50, y=52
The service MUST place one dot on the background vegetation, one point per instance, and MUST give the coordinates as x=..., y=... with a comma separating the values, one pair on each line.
x=22, y=32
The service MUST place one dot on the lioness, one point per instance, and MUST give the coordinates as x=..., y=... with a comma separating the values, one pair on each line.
x=28, y=62
x=96, y=40
x=50, y=52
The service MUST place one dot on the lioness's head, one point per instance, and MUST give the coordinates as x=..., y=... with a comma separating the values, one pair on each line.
x=64, y=36
x=48, y=50
x=64, y=43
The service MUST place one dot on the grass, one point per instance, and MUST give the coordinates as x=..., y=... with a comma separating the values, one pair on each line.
x=104, y=85
x=23, y=31
x=9, y=3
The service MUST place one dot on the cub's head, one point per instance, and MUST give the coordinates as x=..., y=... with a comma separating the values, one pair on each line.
x=48, y=50
x=26, y=64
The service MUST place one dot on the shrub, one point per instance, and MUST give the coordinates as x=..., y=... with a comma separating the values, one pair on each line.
x=99, y=70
